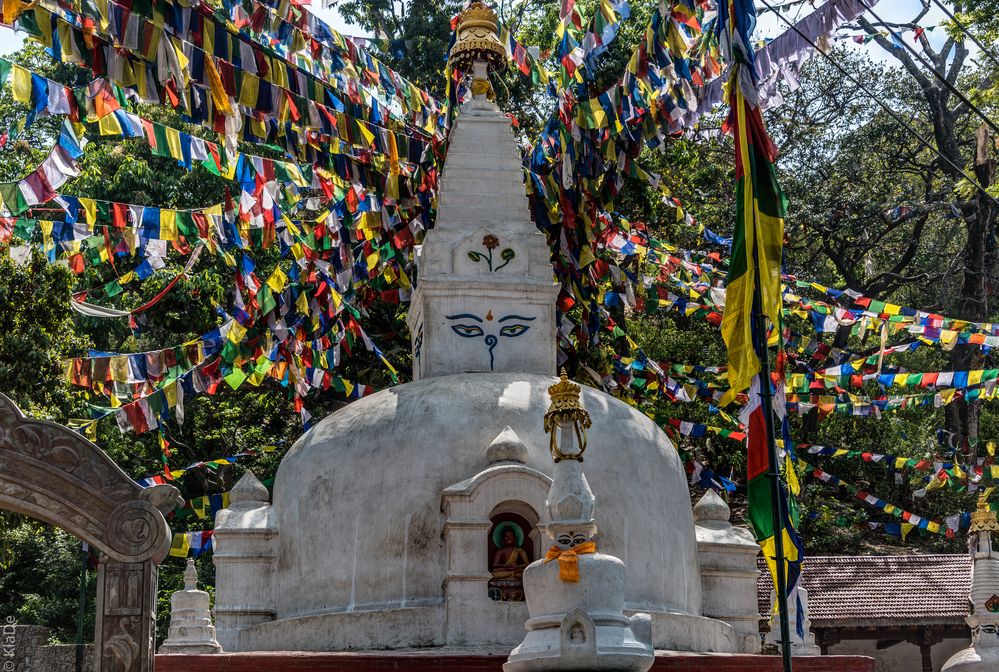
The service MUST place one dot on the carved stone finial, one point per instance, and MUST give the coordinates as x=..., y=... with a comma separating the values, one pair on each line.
x=507, y=447
x=711, y=509
x=570, y=500
x=190, y=576
x=249, y=489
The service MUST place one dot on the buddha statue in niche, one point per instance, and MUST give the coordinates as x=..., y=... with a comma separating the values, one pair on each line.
x=508, y=561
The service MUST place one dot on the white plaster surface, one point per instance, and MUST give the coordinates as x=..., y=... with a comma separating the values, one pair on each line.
x=728, y=570
x=581, y=626
x=358, y=502
x=244, y=542
x=901, y=657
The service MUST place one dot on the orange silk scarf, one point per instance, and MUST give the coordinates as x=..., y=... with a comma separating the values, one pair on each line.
x=568, y=560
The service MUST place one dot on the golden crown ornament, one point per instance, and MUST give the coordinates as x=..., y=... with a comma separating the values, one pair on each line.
x=984, y=518
x=478, y=39
x=565, y=408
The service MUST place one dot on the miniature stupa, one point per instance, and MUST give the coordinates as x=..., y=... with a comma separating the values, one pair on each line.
x=191, y=629
x=405, y=520
x=575, y=594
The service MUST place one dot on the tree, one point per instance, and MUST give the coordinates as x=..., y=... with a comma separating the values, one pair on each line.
x=962, y=156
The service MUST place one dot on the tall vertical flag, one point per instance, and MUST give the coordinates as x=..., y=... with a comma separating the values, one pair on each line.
x=759, y=230
x=754, y=278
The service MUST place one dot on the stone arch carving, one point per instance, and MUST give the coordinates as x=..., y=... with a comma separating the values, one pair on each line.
x=53, y=474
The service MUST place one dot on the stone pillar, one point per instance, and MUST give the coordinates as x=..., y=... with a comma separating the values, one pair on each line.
x=191, y=629
x=728, y=570
x=126, y=615
x=800, y=646
x=244, y=552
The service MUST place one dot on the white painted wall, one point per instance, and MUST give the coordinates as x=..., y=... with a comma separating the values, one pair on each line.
x=901, y=657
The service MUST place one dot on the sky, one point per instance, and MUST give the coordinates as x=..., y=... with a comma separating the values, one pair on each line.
x=769, y=25
x=893, y=11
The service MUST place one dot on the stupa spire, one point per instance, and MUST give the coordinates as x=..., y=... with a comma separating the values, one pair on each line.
x=983, y=654
x=485, y=295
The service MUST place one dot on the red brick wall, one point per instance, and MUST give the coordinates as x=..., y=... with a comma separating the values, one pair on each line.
x=373, y=662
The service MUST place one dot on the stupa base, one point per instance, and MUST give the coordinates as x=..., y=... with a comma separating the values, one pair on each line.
x=450, y=661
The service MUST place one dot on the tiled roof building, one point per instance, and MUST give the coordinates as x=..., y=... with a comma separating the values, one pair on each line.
x=893, y=599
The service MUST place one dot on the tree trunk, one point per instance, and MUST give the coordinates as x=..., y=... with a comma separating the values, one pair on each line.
x=962, y=417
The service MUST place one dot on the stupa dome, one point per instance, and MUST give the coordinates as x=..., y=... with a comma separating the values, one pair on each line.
x=358, y=501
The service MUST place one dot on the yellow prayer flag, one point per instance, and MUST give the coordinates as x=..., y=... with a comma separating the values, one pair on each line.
x=21, y=84
x=89, y=206
x=236, y=332
x=369, y=137
x=173, y=143
x=181, y=545
x=249, y=91
x=109, y=125
x=277, y=281
x=168, y=224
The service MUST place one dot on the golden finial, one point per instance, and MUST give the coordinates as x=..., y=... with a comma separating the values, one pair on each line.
x=565, y=409
x=478, y=39
x=984, y=518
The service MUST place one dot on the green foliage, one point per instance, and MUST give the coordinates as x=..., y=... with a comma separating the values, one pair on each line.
x=42, y=584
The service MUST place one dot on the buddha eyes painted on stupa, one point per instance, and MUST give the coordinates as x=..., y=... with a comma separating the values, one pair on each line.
x=571, y=539
x=473, y=326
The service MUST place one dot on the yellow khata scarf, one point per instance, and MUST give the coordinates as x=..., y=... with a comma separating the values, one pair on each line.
x=568, y=560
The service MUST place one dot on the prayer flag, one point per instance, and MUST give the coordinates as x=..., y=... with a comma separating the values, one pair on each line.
x=758, y=236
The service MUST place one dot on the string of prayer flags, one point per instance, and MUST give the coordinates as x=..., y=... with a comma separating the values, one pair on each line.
x=191, y=543
x=158, y=479
x=933, y=526
x=202, y=507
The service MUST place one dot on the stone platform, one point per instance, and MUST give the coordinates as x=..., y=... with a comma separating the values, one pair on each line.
x=299, y=661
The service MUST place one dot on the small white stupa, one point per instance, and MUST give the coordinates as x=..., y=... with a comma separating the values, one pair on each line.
x=983, y=654
x=576, y=605
x=191, y=629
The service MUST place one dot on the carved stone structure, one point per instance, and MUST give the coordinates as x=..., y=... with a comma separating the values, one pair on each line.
x=245, y=535
x=800, y=645
x=55, y=475
x=575, y=595
x=983, y=654
x=191, y=629
x=728, y=570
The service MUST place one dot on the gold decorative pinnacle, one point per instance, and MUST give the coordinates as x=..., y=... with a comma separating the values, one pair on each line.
x=984, y=518
x=478, y=39
x=565, y=408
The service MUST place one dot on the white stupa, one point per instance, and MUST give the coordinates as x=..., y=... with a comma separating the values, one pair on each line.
x=983, y=654
x=404, y=520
